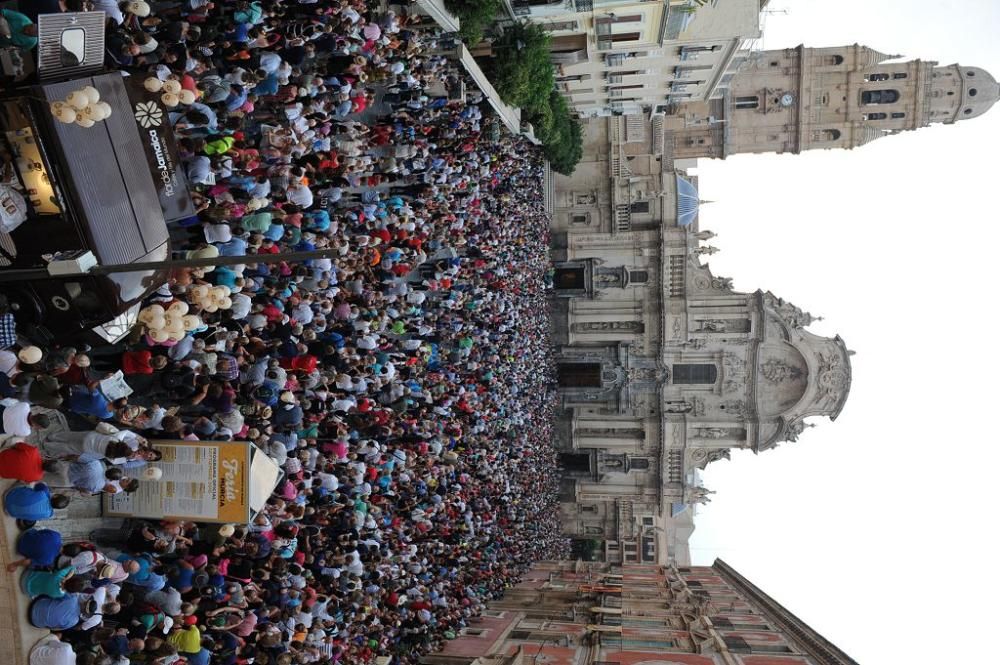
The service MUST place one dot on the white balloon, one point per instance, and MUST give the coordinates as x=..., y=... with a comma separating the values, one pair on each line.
x=157, y=309
x=176, y=335
x=225, y=303
x=93, y=94
x=186, y=96
x=105, y=109
x=159, y=335
x=91, y=112
x=67, y=114
x=191, y=322
x=77, y=99
x=172, y=86
x=84, y=122
x=199, y=292
x=157, y=322
x=169, y=99
x=178, y=307
x=211, y=307
x=153, y=84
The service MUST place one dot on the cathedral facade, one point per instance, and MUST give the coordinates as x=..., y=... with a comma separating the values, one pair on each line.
x=663, y=368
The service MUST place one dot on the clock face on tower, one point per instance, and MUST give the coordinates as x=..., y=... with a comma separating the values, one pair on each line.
x=787, y=99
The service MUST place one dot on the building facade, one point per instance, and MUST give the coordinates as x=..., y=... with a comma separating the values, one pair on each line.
x=663, y=368
x=574, y=613
x=790, y=100
x=622, y=56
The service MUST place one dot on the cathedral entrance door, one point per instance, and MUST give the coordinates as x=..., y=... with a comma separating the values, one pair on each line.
x=579, y=375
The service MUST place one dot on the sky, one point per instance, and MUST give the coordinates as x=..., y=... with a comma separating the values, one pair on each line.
x=878, y=530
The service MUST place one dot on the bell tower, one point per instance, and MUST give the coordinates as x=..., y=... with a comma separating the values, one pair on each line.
x=843, y=97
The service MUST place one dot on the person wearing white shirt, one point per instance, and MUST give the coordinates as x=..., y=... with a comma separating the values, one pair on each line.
x=16, y=417
x=50, y=650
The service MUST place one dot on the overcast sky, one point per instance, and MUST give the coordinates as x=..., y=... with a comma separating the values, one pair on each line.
x=879, y=529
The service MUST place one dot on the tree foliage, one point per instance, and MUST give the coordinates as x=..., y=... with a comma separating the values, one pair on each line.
x=522, y=73
x=475, y=16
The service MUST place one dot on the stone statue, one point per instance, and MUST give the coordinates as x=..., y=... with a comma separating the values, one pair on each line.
x=722, y=283
x=707, y=250
x=711, y=433
x=777, y=371
x=719, y=454
x=704, y=235
x=795, y=429
x=607, y=279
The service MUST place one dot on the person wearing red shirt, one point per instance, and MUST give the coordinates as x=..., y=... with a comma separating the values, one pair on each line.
x=22, y=461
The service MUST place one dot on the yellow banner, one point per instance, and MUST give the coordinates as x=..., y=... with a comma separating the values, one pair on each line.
x=204, y=481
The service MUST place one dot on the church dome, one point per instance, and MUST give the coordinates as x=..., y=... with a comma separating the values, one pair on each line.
x=980, y=92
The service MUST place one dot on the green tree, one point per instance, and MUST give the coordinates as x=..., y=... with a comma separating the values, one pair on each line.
x=475, y=16
x=521, y=68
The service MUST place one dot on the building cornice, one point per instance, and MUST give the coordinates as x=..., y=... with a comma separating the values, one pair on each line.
x=817, y=646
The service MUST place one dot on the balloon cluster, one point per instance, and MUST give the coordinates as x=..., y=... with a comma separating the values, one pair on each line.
x=168, y=324
x=211, y=298
x=83, y=106
x=172, y=95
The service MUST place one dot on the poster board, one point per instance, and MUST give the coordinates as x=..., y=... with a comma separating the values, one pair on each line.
x=203, y=481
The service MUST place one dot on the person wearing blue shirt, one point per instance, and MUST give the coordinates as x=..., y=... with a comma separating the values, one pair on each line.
x=237, y=246
x=55, y=613
x=39, y=547
x=89, y=402
x=267, y=86
x=32, y=503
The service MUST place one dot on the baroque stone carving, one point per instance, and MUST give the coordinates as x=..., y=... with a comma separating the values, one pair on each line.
x=704, y=235
x=722, y=283
x=777, y=371
x=709, y=250
x=711, y=432
x=735, y=372
x=736, y=407
x=709, y=455
x=833, y=377
x=795, y=429
x=608, y=326
x=713, y=325
x=789, y=313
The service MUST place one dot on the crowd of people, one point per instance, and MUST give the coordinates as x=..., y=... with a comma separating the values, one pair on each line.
x=400, y=379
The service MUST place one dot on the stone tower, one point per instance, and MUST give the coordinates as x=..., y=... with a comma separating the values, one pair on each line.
x=801, y=98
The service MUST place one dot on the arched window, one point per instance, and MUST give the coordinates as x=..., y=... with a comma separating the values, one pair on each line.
x=703, y=374
x=747, y=102
x=973, y=92
x=638, y=277
x=827, y=135
x=899, y=75
x=879, y=96
x=834, y=60
x=875, y=116
x=898, y=115
x=871, y=78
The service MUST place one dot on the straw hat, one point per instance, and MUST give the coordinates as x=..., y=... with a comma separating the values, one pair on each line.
x=30, y=355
